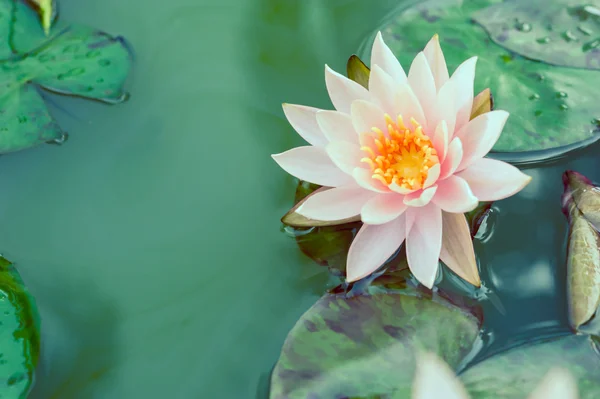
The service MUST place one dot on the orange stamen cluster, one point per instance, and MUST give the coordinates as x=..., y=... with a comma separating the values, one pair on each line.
x=402, y=156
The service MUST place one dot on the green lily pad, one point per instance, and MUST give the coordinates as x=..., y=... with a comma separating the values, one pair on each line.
x=551, y=107
x=516, y=373
x=19, y=334
x=365, y=345
x=559, y=32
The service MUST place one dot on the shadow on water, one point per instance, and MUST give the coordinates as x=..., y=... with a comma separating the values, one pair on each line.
x=79, y=327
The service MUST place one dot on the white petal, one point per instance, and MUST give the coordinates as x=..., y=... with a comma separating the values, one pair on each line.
x=382, y=209
x=407, y=104
x=335, y=204
x=454, y=195
x=557, y=384
x=366, y=115
x=463, y=79
x=382, y=55
x=345, y=155
x=440, y=140
x=479, y=136
x=422, y=83
x=435, y=380
x=424, y=243
x=493, y=180
x=303, y=120
x=313, y=165
x=384, y=90
x=343, y=91
x=373, y=246
x=400, y=190
x=453, y=158
x=437, y=62
x=432, y=175
x=336, y=126
x=445, y=108
x=363, y=178
x=420, y=198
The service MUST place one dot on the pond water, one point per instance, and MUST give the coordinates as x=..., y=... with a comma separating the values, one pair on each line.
x=151, y=239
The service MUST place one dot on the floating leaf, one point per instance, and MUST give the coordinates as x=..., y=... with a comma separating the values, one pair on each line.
x=365, y=345
x=560, y=32
x=583, y=263
x=358, y=71
x=550, y=106
x=19, y=334
x=516, y=373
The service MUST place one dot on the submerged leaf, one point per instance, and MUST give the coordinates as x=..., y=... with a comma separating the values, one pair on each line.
x=516, y=373
x=358, y=71
x=19, y=334
x=366, y=345
x=583, y=259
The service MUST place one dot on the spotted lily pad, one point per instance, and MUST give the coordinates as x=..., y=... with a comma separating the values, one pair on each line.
x=516, y=373
x=560, y=32
x=19, y=334
x=551, y=107
x=364, y=346
x=75, y=60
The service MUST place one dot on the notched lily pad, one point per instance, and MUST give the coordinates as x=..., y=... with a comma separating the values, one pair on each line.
x=365, y=345
x=550, y=107
x=19, y=334
x=581, y=205
x=516, y=373
x=559, y=32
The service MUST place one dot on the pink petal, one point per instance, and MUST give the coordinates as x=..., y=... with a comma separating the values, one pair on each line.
x=432, y=175
x=345, y=155
x=435, y=380
x=437, y=62
x=336, y=126
x=444, y=109
x=366, y=115
x=479, y=136
x=420, y=198
x=363, y=178
x=382, y=209
x=343, y=91
x=303, y=120
x=422, y=83
x=373, y=246
x=313, y=165
x=336, y=203
x=454, y=195
x=463, y=78
x=407, y=104
x=453, y=158
x=382, y=55
x=440, y=140
x=457, y=247
x=400, y=190
x=557, y=384
x=424, y=244
x=492, y=180
x=383, y=89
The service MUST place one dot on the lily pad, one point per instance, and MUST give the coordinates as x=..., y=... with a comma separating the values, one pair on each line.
x=581, y=205
x=559, y=32
x=516, y=373
x=365, y=345
x=19, y=334
x=551, y=107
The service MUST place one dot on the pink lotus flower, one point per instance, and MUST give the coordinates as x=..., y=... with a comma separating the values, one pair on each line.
x=405, y=156
x=435, y=380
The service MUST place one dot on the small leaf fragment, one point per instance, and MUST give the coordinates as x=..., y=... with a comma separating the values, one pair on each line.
x=46, y=10
x=358, y=71
x=482, y=103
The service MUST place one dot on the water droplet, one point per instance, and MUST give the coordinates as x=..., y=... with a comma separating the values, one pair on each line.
x=15, y=379
x=584, y=30
x=104, y=62
x=44, y=57
x=538, y=112
x=543, y=40
x=89, y=89
x=92, y=54
x=540, y=77
x=523, y=26
x=534, y=96
x=506, y=58
x=22, y=119
x=61, y=76
x=100, y=80
x=561, y=94
x=569, y=36
x=71, y=48
x=61, y=140
x=563, y=107
x=591, y=45
x=76, y=71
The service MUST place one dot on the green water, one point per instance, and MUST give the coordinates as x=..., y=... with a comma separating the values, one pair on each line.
x=151, y=239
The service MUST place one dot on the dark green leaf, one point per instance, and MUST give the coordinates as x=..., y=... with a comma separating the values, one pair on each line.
x=516, y=373
x=358, y=71
x=550, y=106
x=19, y=334
x=365, y=345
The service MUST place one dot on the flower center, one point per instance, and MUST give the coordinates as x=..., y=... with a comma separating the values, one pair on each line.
x=403, y=156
